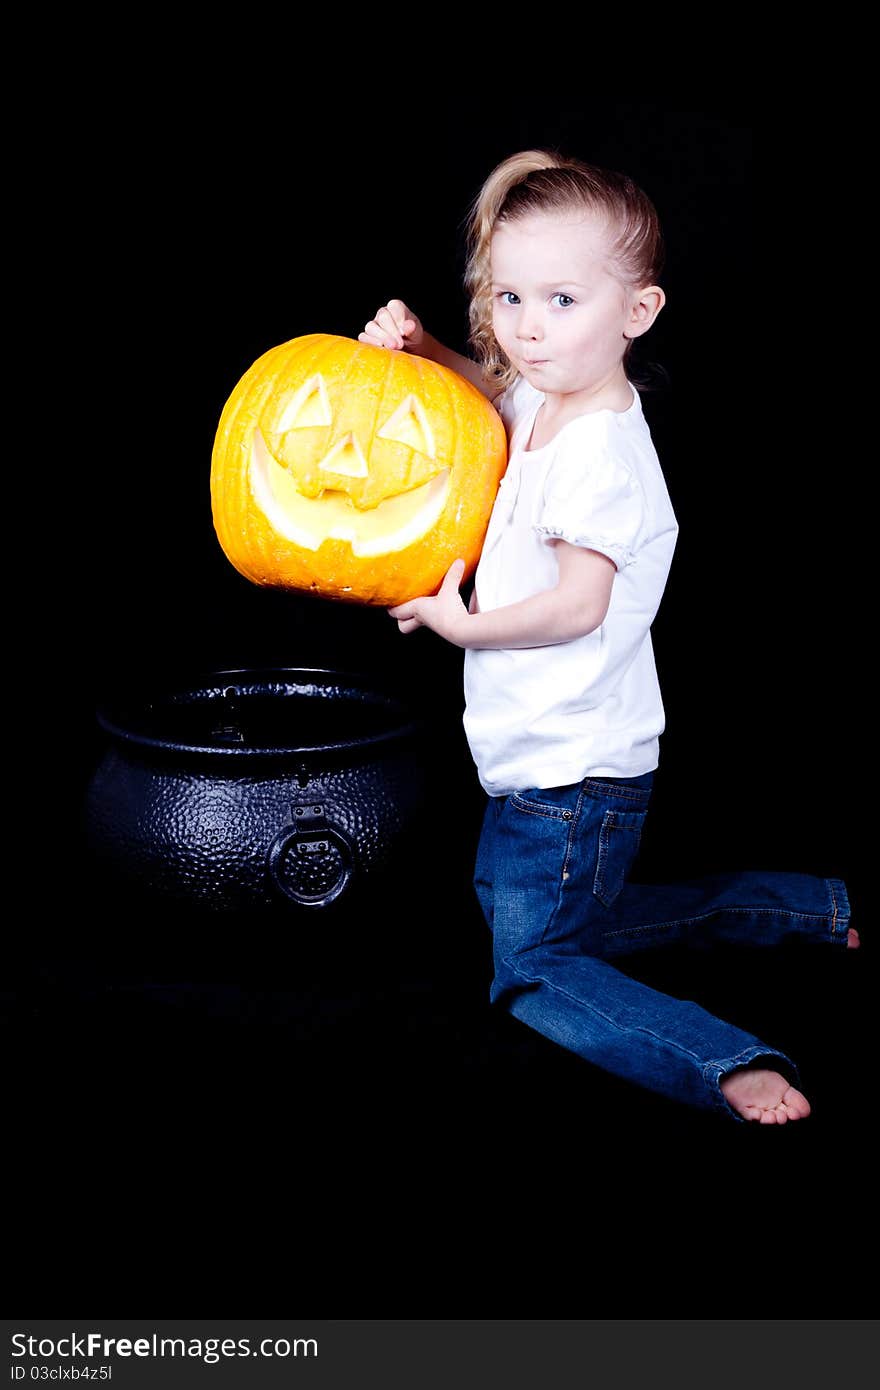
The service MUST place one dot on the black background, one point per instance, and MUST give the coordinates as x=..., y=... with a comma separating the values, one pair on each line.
x=209, y=1113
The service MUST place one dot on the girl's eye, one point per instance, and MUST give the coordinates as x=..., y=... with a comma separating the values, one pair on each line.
x=502, y=295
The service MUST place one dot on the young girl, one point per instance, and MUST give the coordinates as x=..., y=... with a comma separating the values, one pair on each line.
x=563, y=709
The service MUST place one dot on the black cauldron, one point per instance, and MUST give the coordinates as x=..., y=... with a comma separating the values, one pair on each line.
x=272, y=789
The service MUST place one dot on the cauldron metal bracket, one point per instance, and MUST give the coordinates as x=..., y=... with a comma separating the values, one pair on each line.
x=307, y=833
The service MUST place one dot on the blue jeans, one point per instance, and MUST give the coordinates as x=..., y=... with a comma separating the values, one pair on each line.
x=552, y=879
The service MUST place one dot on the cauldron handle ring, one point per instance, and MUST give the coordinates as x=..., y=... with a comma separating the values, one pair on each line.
x=307, y=826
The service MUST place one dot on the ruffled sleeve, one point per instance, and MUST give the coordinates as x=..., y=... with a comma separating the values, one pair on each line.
x=595, y=502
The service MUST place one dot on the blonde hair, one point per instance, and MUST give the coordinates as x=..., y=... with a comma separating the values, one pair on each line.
x=544, y=180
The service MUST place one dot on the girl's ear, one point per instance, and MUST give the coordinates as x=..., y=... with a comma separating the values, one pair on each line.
x=644, y=308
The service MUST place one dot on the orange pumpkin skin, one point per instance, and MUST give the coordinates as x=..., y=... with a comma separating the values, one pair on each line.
x=354, y=472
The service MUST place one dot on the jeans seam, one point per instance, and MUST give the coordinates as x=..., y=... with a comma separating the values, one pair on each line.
x=550, y=813
x=575, y=822
x=566, y=860
x=630, y=794
x=601, y=857
x=582, y=1003
x=835, y=911
x=609, y=823
x=718, y=912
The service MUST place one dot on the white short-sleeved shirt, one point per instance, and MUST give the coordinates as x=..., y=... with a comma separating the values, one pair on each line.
x=549, y=716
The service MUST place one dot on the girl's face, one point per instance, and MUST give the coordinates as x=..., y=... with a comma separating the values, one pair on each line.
x=557, y=311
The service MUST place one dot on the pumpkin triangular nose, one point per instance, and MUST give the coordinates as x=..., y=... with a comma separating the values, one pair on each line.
x=346, y=458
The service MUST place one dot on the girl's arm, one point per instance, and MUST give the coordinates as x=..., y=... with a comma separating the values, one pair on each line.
x=464, y=366
x=397, y=327
x=575, y=606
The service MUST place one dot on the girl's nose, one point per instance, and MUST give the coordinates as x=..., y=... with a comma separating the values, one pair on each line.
x=529, y=327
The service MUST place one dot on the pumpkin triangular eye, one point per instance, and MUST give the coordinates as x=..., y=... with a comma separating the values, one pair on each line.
x=307, y=408
x=409, y=425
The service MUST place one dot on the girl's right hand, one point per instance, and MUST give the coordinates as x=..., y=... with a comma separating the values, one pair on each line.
x=395, y=326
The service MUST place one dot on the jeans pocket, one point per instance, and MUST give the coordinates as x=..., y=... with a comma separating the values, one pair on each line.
x=619, y=838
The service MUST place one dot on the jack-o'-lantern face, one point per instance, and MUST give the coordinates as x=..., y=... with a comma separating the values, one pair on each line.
x=354, y=472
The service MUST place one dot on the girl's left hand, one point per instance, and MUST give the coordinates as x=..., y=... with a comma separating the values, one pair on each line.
x=443, y=612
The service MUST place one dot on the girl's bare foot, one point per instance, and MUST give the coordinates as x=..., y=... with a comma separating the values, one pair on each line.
x=764, y=1096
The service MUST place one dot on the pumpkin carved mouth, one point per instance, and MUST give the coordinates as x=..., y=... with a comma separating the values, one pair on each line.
x=391, y=525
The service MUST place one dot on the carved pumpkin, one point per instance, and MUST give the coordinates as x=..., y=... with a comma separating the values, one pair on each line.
x=354, y=472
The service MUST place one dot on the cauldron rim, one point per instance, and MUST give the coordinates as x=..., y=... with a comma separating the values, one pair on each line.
x=360, y=681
